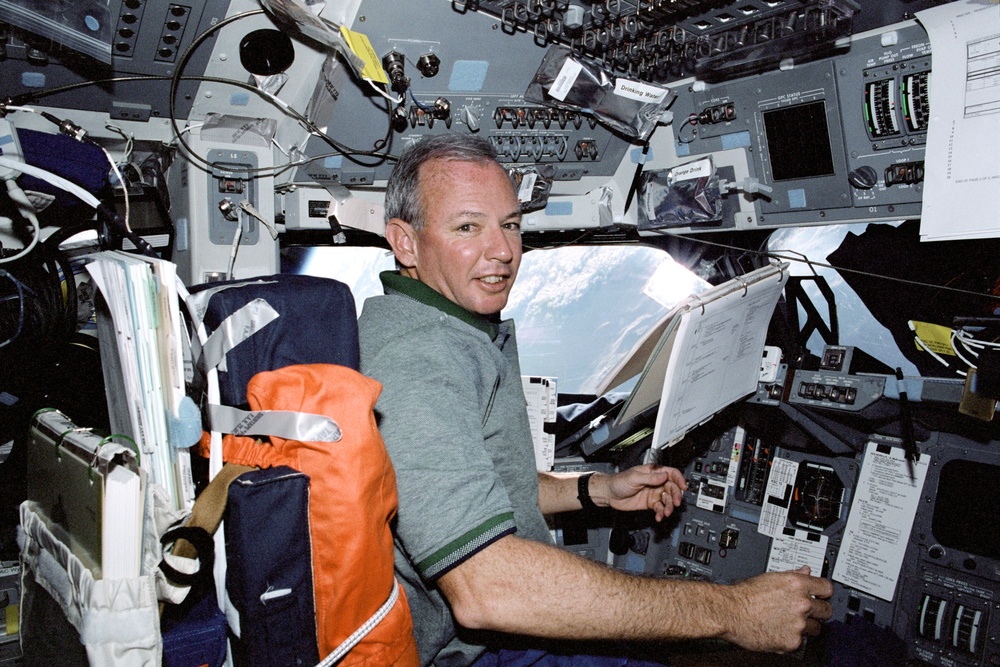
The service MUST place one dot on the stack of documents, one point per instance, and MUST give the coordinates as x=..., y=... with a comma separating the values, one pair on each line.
x=90, y=491
x=141, y=340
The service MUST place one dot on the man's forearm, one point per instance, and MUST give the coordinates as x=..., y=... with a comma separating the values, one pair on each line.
x=522, y=587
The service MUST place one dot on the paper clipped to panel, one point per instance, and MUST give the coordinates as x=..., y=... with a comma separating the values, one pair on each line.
x=541, y=396
x=878, y=528
x=707, y=353
x=961, y=198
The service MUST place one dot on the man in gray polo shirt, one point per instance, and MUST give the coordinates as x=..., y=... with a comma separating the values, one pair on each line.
x=472, y=547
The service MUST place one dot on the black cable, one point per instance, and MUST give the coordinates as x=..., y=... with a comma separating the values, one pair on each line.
x=59, y=268
x=385, y=141
x=152, y=170
x=119, y=226
x=347, y=151
x=775, y=254
x=692, y=120
x=58, y=257
x=28, y=98
x=179, y=69
x=25, y=99
x=20, y=288
x=342, y=149
x=111, y=215
x=42, y=308
x=49, y=117
x=637, y=176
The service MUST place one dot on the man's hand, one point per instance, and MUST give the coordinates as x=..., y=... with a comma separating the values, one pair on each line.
x=774, y=611
x=652, y=487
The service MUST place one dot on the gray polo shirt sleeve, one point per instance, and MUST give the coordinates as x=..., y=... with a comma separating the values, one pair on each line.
x=436, y=393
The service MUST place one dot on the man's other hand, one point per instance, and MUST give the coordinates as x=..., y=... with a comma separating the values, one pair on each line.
x=652, y=487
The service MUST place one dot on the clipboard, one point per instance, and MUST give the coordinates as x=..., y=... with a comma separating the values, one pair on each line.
x=89, y=491
x=702, y=356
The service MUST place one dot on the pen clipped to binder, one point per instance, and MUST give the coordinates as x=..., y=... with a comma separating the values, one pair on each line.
x=90, y=491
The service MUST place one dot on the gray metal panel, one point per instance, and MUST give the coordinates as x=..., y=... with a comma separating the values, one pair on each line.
x=894, y=62
x=148, y=38
x=947, y=580
x=469, y=46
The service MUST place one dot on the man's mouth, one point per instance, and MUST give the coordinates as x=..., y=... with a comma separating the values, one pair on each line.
x=492, y=280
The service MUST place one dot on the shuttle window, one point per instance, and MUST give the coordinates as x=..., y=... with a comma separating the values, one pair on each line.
x=356, y=267
x=798, y=141
x=578, y=310
x=858, y=326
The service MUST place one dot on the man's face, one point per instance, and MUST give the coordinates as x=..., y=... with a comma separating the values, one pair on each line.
x=469, y=249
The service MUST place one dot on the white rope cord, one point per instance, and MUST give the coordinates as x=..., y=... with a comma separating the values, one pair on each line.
x=345, y=647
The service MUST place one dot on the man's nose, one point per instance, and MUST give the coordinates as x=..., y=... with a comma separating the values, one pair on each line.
x=501, y=245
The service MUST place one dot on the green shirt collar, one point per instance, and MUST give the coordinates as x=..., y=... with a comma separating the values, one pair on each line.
x=396, y=282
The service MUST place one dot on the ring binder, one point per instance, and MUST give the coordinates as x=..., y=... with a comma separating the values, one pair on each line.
x=707, y=355
x=90, y=494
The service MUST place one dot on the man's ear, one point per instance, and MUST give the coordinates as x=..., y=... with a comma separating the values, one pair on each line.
x=402, y=238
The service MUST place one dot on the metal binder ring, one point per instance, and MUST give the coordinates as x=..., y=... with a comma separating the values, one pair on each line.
x=700, y=303
x=93, y=464
x=746, y=287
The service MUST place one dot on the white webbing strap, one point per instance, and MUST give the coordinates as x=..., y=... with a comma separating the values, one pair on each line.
x=196, y=305
x=345, y=647
x=287, y=424
x=236, y=328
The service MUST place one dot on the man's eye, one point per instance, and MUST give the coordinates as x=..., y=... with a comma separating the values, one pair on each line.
x=513, y=226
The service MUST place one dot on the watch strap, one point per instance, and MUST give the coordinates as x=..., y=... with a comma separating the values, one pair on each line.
x=583, y=491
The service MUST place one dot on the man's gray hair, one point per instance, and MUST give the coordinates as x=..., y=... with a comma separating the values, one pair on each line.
x=402, y=193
